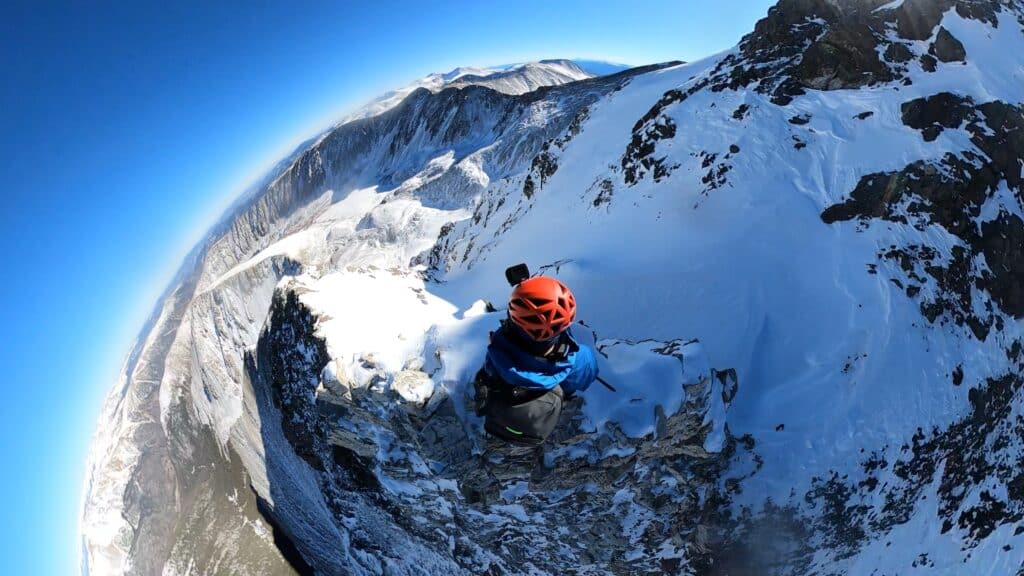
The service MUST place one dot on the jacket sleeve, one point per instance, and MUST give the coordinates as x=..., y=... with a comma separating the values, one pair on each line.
x=584, y=371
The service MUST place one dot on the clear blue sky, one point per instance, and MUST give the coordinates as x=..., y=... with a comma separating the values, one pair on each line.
x=128, y=127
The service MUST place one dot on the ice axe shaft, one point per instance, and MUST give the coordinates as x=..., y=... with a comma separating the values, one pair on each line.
x=606, y=384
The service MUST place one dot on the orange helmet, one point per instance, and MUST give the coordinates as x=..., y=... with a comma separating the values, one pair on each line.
x=543, y=307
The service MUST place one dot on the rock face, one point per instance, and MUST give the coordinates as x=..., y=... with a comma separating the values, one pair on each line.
x=834, y=208
x=947, y=48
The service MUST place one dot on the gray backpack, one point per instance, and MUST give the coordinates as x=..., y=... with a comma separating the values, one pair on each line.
x=514, y=414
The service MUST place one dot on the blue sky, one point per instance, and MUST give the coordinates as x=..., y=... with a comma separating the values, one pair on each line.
x=129, y=127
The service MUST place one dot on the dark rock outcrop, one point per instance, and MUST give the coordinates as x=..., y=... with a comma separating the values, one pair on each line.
x=292, y=356
x=845, y=57
x=1002, y=243
x=947, y=48
x=961, y=457
x=929, y=63
x=898, y=52
x=930, y=115
x=917, y=19
x=639, y=157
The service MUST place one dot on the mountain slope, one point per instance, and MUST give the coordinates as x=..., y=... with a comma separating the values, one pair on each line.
x=833, y=209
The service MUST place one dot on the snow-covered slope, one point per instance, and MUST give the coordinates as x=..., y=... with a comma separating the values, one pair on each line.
x=801, y=260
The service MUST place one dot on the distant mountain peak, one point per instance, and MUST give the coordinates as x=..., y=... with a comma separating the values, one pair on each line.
x=507, y=79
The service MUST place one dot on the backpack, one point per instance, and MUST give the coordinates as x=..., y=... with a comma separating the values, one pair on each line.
x=514, y=414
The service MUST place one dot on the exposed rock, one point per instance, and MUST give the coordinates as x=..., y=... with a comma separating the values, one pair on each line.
x=543, y=166
x=776, y=541
x=654, y=126
x=785, y=23
x=529, y=186
x=377, y=477
x=800, y=45
x=1003, y=246
x=928, y=63
x=844, y=57
x=947, y=48
x=930, y=115
x=715, y=177
x=414, y=387
x=293, y=357
x=606, y=188
x=958, y=455
x=980, y=10
x=872, y=198
x=898, y=52
x=916, y=19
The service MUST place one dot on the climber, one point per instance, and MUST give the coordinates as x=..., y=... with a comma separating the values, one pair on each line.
x=533, y=362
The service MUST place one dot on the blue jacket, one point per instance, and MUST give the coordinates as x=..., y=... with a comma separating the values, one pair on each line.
x=510, y=362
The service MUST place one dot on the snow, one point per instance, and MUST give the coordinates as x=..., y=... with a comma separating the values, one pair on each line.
x=387, y=309
x=515, y=511
x=889, y=5
x=988, y=74
x=643, y=380
x=1002, y=201
x=515, y=491
x=478, y=308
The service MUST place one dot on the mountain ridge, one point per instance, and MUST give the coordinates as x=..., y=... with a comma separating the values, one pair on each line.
x=511, y=79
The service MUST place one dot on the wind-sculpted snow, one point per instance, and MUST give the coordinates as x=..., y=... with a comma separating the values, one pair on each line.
x=800, y=261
